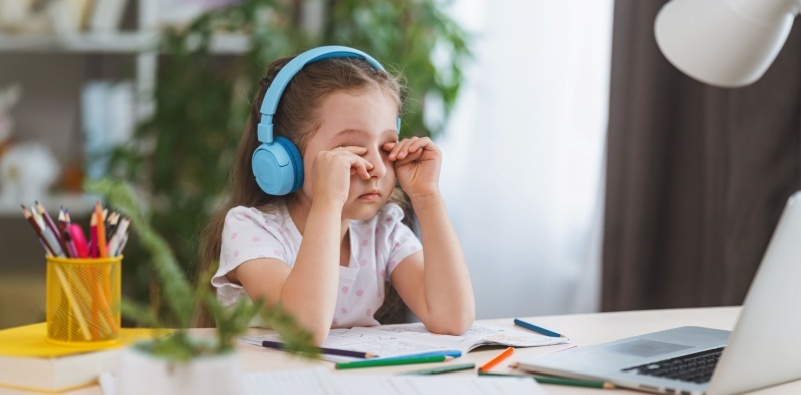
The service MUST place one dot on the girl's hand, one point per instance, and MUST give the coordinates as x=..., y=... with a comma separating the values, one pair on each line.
x=417, y=163
x=332, y=169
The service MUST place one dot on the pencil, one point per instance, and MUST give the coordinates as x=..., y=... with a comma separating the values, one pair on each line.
x=494, y=361
x=76, y=310
x=536, y=328
x=557, y=380
x=29, y=216
x=369, y=363
x=53, y=228
x=443, y=369
x=101, y=231
x=323, y=350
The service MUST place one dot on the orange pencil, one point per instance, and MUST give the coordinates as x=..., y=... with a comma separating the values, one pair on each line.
x=494, y=361
x=101, y=231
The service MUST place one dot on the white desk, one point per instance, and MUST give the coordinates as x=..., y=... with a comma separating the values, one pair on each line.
x=583, y=329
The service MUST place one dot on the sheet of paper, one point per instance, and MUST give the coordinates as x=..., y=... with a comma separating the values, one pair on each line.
x=410, y=339
x=322, y=381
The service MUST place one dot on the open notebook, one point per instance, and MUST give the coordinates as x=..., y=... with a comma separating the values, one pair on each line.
x=388, y=341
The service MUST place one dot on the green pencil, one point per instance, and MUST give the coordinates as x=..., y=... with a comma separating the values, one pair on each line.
x=369, y=363
x=444, y=369
x=557, y=380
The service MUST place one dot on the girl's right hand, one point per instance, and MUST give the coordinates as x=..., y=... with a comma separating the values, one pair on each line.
x=332, y=169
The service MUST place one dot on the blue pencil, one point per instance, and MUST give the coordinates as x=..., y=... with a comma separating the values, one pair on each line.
x=535, y=328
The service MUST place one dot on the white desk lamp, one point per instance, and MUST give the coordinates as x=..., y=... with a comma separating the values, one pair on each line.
x=726, y=43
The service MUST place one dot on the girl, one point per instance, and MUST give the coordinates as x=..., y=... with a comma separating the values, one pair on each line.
x=325, y=251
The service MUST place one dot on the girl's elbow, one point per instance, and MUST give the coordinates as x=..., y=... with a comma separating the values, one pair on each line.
x=319, y=336
x=456, y=326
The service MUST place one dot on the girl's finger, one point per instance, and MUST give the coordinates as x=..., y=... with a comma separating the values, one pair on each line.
x=401, y=148
x=405, y=150
x=360, y=164
x=419, y=143
x=388, y=146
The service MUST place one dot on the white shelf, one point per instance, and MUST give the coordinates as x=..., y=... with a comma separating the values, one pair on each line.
x=120, y=43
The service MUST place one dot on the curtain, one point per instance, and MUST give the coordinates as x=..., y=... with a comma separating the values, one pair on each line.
x=523, y=153
x=697, y=176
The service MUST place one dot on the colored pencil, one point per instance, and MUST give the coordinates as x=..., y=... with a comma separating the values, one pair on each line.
x=557, y=380
x=536, y=328
x=53, y=228
x=79, y=240
x=31, y=220
x=323, y=350
x=498, y=358
x=101, y=231
x=369, y=363
x=442, y=369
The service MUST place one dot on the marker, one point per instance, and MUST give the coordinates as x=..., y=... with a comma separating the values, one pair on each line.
x=443, y=369
x=369, y=363
x=535, y=328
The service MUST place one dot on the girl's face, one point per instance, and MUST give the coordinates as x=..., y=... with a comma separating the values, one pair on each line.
x=363, y=119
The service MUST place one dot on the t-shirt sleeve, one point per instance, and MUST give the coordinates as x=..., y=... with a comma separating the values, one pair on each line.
x=247, y=234
x=399, y=240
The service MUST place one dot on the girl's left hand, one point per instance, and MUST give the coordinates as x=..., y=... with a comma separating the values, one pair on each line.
x=417, y=163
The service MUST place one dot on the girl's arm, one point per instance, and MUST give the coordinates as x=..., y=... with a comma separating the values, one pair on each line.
x=308, y=290
x=434, y=283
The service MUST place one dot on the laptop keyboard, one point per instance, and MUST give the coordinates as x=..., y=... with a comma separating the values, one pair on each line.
x=693, y=368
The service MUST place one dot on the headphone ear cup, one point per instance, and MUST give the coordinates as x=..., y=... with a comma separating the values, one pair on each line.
x=278, y=167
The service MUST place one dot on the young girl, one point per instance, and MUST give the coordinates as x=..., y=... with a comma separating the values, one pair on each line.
x=325, y=251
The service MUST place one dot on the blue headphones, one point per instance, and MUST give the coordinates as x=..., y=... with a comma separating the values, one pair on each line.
x=277, y=163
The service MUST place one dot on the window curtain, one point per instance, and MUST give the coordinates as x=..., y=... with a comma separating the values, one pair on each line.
x=697, y=176
x=523, y=154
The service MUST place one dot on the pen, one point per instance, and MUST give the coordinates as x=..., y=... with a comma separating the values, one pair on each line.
x=443, y=369
x=535, y=328
x=557, y=380
x=323, y=350
x=369, y=363
x=494, y=361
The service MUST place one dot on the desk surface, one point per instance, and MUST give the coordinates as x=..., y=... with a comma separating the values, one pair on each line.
x=583, y=329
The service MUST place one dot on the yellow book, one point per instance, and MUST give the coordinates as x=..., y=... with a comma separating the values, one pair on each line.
x=29, y=362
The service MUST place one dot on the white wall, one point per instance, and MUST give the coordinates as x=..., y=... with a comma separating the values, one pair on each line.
x=523, y=154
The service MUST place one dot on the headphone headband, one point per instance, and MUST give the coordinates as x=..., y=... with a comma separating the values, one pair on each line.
x=270, y=103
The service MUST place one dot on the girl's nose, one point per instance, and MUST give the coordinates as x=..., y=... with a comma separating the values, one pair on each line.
x=379, y=169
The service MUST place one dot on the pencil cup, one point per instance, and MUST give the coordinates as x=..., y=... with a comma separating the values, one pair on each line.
x=83, y=300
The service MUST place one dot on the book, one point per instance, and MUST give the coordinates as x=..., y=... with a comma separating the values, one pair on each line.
x=389, y=341
x=28, y=362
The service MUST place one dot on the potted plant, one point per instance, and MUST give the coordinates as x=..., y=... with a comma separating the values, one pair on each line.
x=173, y=361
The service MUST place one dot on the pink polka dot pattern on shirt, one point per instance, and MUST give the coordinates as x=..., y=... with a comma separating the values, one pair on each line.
x=344, y=310
x=344, y=290
x=236, y=253
x=256, y=239
x=276, y=252
x=364, y=243
x=359, y=292
x=369, y=312
x=363, y=262
x=233, y=235
x=336, y=321
x=383, y=273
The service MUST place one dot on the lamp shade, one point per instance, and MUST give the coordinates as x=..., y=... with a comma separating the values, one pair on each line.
x=727, y=43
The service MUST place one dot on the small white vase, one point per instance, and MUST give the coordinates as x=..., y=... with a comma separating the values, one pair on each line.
x=141, y=372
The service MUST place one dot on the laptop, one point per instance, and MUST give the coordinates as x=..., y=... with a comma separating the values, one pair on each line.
x=763, y=350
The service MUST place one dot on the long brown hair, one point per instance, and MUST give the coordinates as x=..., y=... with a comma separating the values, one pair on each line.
x=296, y=118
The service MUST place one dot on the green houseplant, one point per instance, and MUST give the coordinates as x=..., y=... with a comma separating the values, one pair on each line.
x=180, y=157
x=175, y=350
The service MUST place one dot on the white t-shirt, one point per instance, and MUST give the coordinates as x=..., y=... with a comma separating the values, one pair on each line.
x=377, y=246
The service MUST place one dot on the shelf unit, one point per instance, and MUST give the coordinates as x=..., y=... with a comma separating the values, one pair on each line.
x=141, y=43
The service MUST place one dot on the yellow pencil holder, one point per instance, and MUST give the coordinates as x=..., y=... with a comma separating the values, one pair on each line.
x=83, y=301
